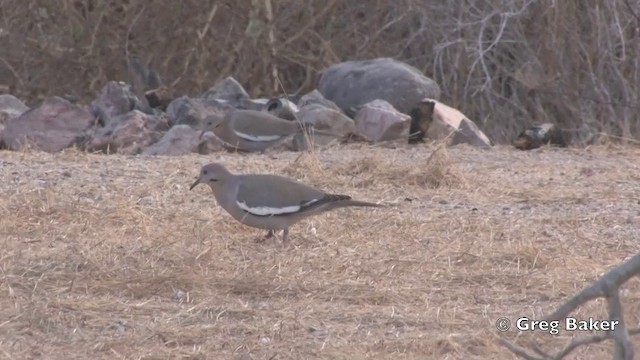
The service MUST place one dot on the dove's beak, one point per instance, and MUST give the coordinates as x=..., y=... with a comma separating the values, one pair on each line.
x=194, y=184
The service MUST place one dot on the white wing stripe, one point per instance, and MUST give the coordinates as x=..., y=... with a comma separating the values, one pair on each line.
x=307, y=203
x=257, y=137
x=268, y=211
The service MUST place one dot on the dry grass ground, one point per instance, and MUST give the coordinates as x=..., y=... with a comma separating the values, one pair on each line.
x=107, y=257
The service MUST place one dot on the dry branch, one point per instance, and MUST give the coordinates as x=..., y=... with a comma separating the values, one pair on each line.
x=607, y=286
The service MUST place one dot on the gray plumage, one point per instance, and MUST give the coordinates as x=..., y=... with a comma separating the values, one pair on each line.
x=269, y=202
x=251, y=130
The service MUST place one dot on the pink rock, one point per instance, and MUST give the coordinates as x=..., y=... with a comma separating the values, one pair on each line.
x=116, y=98
x=378, y=120
x=182, y=140
x=129, y=133
x=54, y=125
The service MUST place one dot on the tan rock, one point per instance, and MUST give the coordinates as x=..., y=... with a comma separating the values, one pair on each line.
x=437, y=120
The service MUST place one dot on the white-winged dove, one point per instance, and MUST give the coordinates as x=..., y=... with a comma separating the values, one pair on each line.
x=269, y=202
x=251, y=130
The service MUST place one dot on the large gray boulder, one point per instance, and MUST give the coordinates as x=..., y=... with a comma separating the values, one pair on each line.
x=352, y=84
x=54, y=125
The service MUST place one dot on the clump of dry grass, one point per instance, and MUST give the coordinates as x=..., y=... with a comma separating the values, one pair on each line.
x=304, y=166
x=437, y=170
x=441, y=171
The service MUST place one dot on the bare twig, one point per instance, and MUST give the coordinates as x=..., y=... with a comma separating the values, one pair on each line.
x=519, y=350
x=302, y=31
x=603, y=286
x=205, y=29
x=573, y=344
x=94, y=34
x=607, y=286
x=12, y=70
x=623, y=348
x=138, y=81
x=271, y=40
x=200, y=39
x=631, y=10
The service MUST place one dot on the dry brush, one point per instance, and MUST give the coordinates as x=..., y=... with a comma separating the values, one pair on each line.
x=504, y=63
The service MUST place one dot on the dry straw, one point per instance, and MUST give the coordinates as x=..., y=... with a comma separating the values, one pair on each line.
x=440, y=170
x=113, y=256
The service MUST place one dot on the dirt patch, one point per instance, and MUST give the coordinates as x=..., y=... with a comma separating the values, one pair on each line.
x=113, y=256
